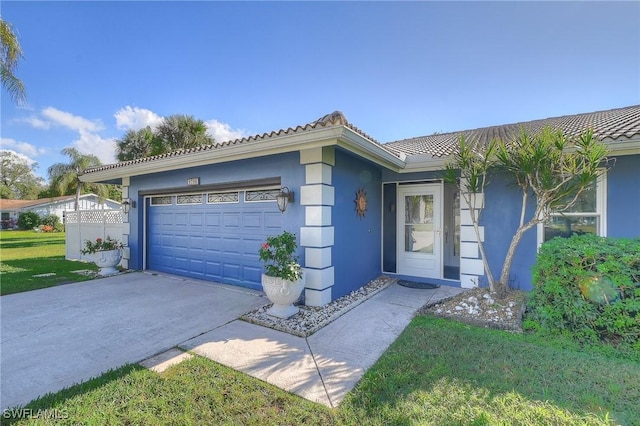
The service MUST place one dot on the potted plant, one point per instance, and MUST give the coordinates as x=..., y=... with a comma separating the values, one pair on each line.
x=106, y=254
x=282, y=281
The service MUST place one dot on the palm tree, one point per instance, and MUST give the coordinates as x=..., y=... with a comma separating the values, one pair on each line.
x=136, y=144
x=66, y=176
x=182, y=132
x=10, y=54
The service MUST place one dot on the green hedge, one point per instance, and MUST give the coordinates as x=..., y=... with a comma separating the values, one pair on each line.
x=587, y=286
x=28, y=220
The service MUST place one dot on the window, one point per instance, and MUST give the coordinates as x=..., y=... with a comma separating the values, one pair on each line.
x=587, y=216
x=189, y=199
x=162, y=201
x=261, y=195
x=222, y=197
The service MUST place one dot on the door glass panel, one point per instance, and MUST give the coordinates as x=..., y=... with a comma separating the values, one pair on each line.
x=418, y=223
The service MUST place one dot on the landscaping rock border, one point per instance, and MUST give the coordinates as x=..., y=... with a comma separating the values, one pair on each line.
x=310, y=318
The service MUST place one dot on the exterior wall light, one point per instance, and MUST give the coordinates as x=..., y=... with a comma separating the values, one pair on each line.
x=128, y=204
x=283, y=198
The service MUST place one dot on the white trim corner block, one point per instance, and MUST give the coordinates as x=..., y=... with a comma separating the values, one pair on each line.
x=471, y=266
x=317, y=215
x=325, y=154
x=469, y=250
x=318, y=279
x=317, y=297
x=317, y=194
x=479, y=201
x=316, y=236
x=467, y=233
x=469, y=281
x=317, y=257
x=318, y=173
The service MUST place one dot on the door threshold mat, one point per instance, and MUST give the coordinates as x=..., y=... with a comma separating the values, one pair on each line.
x=414, y=284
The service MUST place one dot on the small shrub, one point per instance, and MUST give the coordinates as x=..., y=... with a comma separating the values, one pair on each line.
x=588, y=287
x=51, y=220
x=28, y=220
x=58, y=227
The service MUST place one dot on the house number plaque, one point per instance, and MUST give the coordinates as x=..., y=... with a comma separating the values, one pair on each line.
x=193, y=181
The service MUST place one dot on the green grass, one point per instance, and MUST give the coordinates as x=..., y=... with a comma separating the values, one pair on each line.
x=438, y=372
x=24, y=254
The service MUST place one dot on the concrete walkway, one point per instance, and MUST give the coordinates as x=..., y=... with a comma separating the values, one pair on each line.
x=326, y=365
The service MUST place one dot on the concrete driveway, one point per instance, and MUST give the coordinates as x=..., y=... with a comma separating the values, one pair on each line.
x=55, y=337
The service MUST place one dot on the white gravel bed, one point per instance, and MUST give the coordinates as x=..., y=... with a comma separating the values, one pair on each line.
x=311, y=318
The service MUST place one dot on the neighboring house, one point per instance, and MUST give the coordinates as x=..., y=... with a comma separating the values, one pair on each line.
x=360, y=208
x=11, y=209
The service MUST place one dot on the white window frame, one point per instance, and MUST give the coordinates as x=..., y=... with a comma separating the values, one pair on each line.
x=223, y=202
x=601, y=210
x=246, y=193
x=151, y=197
x=189, y=195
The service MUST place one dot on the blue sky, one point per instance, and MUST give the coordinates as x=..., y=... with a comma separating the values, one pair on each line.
x=395, y=69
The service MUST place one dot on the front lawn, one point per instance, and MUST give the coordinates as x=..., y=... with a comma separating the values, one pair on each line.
x=24, y=254
x=437, y=372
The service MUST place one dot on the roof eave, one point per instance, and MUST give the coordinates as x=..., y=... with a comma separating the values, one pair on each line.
x=629, y=147
x=269, y=146
x=358, y=144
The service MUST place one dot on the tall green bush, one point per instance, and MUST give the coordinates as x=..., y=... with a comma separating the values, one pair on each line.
x=588, y=286
x=28, y=220
x=51, y=220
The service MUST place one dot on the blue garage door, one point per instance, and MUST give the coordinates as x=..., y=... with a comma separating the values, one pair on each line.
x=211, y=236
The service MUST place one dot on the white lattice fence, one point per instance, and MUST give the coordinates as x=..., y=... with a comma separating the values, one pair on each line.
x=85, y=225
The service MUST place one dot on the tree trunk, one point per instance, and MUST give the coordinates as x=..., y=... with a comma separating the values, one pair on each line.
x=78, y=190
x=506, y=267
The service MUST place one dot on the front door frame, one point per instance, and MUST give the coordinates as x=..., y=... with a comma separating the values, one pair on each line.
x=408, y=264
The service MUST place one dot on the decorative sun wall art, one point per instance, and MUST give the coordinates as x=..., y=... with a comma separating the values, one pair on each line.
x=361, y=202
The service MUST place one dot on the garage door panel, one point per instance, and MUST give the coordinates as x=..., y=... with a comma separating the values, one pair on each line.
x=231, y=220
x=232, y=271
x=179, y=241
x=252, y=220
x=213, y=220
x=196, y=242
x=252, y=274
x=196, y=219
x=196, y=267
x=217, y=241
x=231, y=245
x=213, y=244
x=181, y=219
x=166, y=218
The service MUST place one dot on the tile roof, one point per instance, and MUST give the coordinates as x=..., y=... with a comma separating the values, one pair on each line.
x=334, y=119
x=6, y=204
x=615, y=125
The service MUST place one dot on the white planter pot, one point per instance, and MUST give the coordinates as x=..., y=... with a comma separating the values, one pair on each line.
x=282, y=293
x=107, y=261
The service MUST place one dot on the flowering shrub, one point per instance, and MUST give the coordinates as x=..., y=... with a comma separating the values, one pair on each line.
x=101, y=245
x=46, y=228
x=278, y=257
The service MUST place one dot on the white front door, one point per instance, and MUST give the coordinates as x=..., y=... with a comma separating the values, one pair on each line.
x=419, y=229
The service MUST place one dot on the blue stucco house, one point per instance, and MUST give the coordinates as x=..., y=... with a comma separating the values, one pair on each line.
x=204, y=212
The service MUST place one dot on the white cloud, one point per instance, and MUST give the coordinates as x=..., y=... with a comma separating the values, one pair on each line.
x=73, y=122
x=91, y=143
x=135, y=118
x=22, y=147
x=21, y=157
x=37, y=122
x=223, y=132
